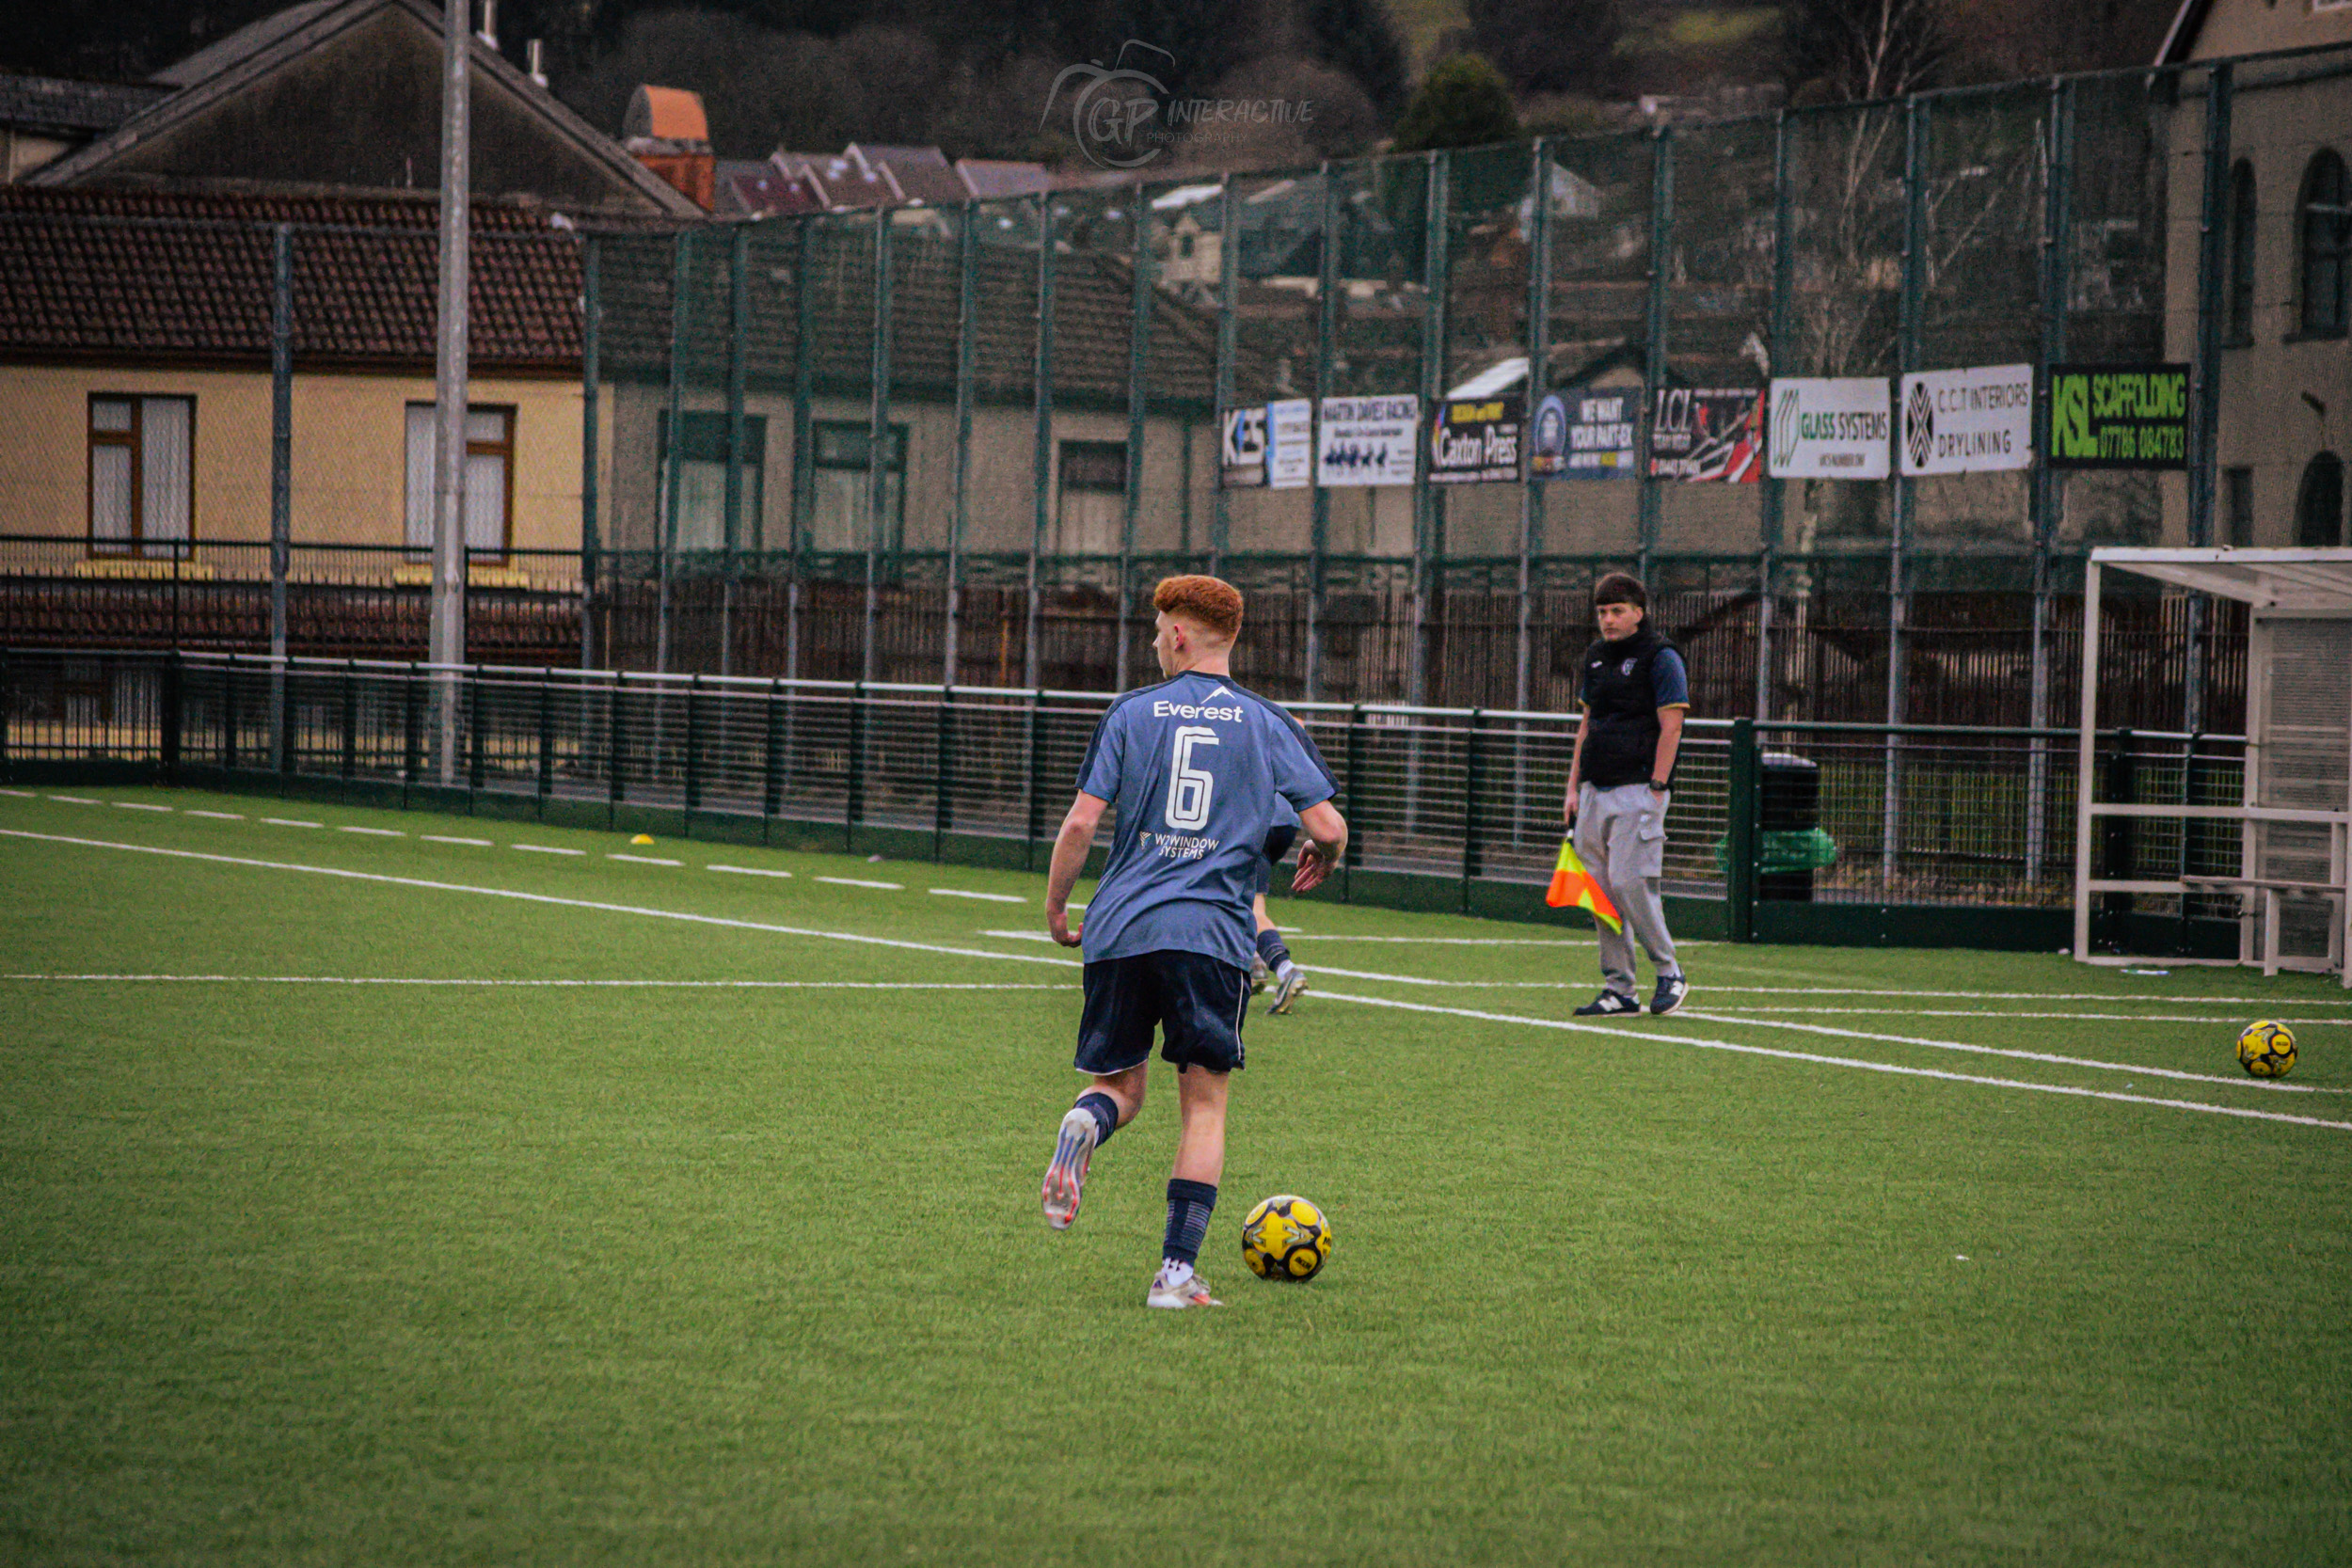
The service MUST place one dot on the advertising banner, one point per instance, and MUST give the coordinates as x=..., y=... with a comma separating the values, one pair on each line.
x=1367, y=441
x=1476, y=441
x=1829, y=428
x=1585, y=433
x=1291, y=444
x=1971, y=422
x=1708, y=435
x=1242, y=451
x=2119, y=416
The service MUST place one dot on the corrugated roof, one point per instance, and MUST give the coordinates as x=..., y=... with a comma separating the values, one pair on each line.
x=118, y=274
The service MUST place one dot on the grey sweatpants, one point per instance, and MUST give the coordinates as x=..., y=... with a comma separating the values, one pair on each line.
x=1621, y=838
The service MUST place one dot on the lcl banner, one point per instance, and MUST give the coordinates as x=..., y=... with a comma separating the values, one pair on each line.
x=1708, y=435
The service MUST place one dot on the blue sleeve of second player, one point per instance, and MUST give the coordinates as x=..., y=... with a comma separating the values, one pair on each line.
x=1300, y=775
x=1669, y=683
x=1098, y=775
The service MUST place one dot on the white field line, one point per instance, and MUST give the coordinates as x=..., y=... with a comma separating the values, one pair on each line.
x=77, y=800
x=644, y=860
x=860, y=940
x=859, y=881
x=218, y=816
x=444, y=838
x=659, y=985
x=291, y=822
x=2067, y=1089
x=2031, y=996
x=1985, y=1013
x=549, y=898
x=373, y=833
x=549, y=849
x=2012, y=1055
x=748, y=870
x=20, y=794
x=969, y=893
x=138, y=805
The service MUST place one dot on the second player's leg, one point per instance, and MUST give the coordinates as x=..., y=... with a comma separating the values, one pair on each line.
x=1598, y=846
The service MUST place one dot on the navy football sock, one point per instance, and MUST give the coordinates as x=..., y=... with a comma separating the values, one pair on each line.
x=1190, y=1205
x=1271, y=948
x=1104, y=1109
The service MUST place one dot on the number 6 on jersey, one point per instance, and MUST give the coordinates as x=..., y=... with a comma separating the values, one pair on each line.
x=1189, y=788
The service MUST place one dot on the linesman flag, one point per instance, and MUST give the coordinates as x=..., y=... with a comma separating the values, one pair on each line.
x=1573, y=887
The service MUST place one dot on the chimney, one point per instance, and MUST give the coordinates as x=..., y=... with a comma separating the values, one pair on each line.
x=666, y=131
x=489, y=34
x=538, y=63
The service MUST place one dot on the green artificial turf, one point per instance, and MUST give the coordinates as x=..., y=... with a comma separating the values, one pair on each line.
x=336, y=1272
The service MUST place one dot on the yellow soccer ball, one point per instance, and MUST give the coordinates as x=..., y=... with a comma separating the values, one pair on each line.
x=2266, y=1049
x=1285, y=1237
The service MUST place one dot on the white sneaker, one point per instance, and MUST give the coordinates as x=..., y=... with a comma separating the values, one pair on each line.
x=1286, y=990
x=1066, y=1176
x=1193, y=1291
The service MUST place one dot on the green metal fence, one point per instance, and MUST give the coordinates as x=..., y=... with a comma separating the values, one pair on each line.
x=1888, y=833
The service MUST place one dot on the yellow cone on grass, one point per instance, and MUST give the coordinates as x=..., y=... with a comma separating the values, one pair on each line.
x=1573, y=887
x=643, y=838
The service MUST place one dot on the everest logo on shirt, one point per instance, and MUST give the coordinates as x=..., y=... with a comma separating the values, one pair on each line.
x=1626, y=669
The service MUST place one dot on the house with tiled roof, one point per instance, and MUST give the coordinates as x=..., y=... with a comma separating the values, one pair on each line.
x=136, y=334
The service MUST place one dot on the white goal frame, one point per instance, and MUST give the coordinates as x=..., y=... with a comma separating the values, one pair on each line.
x=2298, y=585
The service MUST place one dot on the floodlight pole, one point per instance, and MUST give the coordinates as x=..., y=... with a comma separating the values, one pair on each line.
x=446, y=641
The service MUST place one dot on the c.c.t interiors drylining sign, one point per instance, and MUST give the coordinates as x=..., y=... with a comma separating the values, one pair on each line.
x=1830, y=429
x=1976, y=420
x=1367, y=441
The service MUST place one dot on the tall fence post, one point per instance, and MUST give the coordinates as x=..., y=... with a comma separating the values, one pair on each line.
x=350, y=768
x=1354, y=856
x=171, y=716
x=2045, y=492
x=411, y=731
x=877, y=449
x=476, y=741
x=1473, y=778
x=1139, y=404
x=230, y=715
x=1228, y=343
x=693, y=791
x=1773, y=502
x=1427, y=544
x=2205, y=395
x=1910, y=313
x=546, y=783
x=591, y=470
x=1041, y=452
x=738, y=357
x=958, y=515
x=772, y=763
x=854, y=788
x=1033, y=786
x=673, y=440
x=1742, y=836
x=1539, y=387
x=1661, y=205
x=1326, y=337
x=944, y=775
x=280, y=475
x=616, y=742
x=804, y=431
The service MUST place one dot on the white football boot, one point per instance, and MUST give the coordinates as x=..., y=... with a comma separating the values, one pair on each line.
x=1066, y=1176
x=1287, y=987
x=1192, y=1292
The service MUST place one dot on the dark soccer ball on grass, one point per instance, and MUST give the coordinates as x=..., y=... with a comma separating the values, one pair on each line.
x=1285, y=1237
x=2266, y=1049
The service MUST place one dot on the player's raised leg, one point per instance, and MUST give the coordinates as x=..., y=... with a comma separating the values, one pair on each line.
x=1102, y=1110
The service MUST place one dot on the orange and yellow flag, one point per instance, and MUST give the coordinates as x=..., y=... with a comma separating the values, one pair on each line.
x=1573, y=887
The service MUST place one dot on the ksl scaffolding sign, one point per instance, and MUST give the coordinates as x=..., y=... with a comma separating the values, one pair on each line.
x=2119, y=416
x=1476, y=441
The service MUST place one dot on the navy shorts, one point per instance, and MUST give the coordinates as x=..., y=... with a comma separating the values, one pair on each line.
x=1197, y=1003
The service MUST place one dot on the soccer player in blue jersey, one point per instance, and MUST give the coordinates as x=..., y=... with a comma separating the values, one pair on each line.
x=1273, y=965
x=1190, y=769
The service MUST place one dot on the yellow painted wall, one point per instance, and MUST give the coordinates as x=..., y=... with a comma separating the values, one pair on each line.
x=349, y=478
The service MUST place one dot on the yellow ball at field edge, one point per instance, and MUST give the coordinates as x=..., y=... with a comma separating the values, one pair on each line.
x=2265, y=1048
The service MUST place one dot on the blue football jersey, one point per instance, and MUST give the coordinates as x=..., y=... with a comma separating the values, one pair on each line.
x=1192, y=768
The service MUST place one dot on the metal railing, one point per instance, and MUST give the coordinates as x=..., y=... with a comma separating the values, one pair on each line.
x=1914, y=816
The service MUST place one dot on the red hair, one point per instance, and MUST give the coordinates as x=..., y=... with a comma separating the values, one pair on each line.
x=1212, y=604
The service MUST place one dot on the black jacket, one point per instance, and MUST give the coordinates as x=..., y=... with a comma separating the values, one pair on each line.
x=1621, y=706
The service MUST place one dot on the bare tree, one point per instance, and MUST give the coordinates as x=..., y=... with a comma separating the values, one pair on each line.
x=1853, y=51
